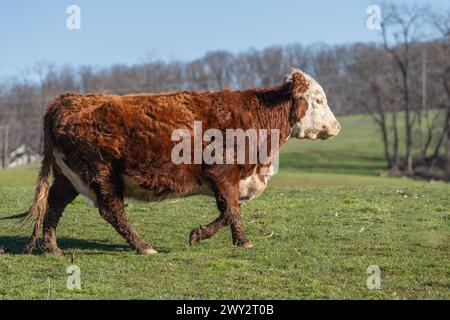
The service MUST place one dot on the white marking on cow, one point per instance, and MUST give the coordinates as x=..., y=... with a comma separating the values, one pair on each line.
x=88, y=194
x=252, y=186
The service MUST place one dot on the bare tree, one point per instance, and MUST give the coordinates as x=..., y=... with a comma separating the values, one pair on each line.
x=373, y=81
x=403, y=24
x=219, y=66
x=441, y=23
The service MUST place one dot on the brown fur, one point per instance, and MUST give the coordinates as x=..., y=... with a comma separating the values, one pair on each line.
x=103, y=137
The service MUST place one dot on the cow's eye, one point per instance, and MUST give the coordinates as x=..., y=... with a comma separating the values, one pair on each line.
x=319, y=101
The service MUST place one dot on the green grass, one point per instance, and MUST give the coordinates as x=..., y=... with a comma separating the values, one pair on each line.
x=325, y=218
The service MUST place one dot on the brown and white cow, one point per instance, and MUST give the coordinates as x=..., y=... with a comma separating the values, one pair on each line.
x=105, y=147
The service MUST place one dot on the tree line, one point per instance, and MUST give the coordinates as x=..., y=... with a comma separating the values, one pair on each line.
x=402, y=82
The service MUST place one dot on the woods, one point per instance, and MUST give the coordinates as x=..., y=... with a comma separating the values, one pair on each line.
x=402, y=82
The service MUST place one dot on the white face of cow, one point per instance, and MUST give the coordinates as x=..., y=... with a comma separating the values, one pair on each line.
x=318, y=121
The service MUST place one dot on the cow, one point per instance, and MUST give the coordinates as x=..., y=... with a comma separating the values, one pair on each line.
x=107, y=147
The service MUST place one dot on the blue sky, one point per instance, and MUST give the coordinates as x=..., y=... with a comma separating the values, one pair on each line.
x=133, y=31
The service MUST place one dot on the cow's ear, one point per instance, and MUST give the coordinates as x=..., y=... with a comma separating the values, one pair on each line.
x=299, y=83
x=298, y=110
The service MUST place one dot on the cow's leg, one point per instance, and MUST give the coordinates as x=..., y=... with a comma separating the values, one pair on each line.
x=111, y=208
x=227, y=195
x=207, y=231
x=237, y=232
x=60, y=195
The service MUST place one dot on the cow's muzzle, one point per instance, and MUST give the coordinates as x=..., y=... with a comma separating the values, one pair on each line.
x=331, y=131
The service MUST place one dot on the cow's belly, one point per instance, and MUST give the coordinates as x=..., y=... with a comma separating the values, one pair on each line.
x=133, y=190
x=249, y=188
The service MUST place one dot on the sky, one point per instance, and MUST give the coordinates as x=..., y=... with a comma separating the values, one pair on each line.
x=135, y=31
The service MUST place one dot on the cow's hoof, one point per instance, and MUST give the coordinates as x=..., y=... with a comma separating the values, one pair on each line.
x=245, y=244
x=148, y=251
x=50, y=247
x=248, y=245
x=54, y=251
x=29, y=249
x=194, y=237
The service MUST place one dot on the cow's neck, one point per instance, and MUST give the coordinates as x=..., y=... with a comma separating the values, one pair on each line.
x=273, y=109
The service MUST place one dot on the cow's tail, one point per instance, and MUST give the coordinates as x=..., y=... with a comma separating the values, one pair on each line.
x=38, y=208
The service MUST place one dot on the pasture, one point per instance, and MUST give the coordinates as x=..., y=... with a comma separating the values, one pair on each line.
x=324, y=219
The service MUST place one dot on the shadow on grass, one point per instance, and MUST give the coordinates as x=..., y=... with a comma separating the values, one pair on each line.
x=16, y=245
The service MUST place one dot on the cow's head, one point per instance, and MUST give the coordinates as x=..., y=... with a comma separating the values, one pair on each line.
x=313, y=118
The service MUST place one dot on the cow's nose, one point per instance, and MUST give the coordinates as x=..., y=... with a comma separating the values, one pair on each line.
x=334, y=129
x=337, y=126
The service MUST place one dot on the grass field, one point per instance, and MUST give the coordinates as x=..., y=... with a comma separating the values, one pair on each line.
x=325, y=218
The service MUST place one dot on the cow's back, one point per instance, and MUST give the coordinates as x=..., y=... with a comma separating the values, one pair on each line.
x=130, y=134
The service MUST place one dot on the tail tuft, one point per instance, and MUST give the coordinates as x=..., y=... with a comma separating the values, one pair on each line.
x=38, y=209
